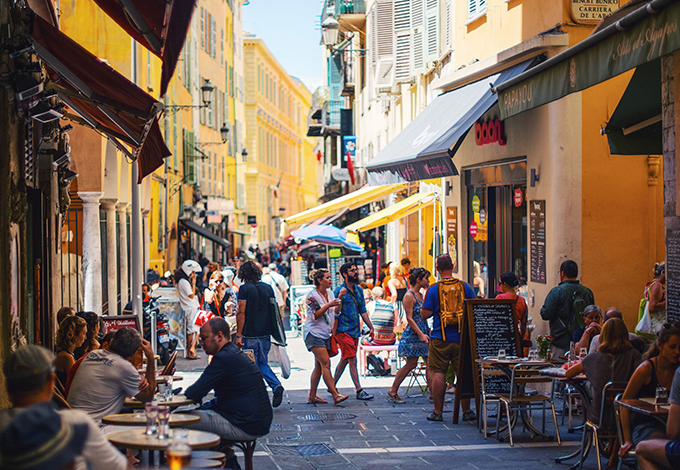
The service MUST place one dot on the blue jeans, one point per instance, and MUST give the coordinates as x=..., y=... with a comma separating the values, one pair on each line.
x=261, y=347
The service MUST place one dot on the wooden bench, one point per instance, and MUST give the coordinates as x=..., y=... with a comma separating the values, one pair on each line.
x=365, y=350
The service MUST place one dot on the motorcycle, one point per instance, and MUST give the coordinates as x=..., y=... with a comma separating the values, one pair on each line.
x=298, y=317
x=165, y=345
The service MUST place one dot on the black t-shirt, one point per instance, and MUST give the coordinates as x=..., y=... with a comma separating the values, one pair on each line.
x=240, y=391
x=258, y=309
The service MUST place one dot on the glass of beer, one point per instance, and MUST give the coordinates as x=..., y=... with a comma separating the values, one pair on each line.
x=178, y=452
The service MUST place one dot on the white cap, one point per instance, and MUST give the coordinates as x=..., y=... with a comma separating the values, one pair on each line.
x=190, y=266
x=228, y=275
x=272, y=266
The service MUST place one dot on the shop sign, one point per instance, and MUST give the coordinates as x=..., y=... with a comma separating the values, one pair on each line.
x=592, y=11
x=473, y=229
x=475, y=204
x=452, y=235
x=252, y=220
x=490, y=132
x=537, y=238
x=482, y=217
x=519, y=197
x=334, y=253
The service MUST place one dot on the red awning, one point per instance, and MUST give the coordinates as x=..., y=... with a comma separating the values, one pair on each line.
x=103, y=98
x=159, y=25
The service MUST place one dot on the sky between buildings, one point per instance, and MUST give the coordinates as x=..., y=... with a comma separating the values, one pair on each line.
x=290, y=29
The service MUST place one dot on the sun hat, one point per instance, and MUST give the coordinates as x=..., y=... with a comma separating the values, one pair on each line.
x=38, y=438
x=190, y=266
x=28, y=368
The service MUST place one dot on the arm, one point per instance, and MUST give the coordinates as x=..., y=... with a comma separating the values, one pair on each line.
x=549, y=309
x=211, y=376
x=367, y=320
x=656, y=298
x=574, y=371
x=408, y=307
x=97, y=451
x=642, y=375
x=240, y=320
x=590, y=332
x=147, y=395
x=425, y=313
x=392, y=284
x=673, y=425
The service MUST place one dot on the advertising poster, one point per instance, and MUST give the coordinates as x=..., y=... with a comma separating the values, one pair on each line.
x=452, y=235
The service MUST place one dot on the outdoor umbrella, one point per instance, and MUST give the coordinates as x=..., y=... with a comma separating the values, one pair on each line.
x=326, y=235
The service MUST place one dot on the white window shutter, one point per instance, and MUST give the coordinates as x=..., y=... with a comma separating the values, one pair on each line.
x=476, y=8
x=385, y=75
x=373, y=32
x=418, y=36
x=403, y=46
x=448, y=25
x=432, y=30
x=385, y=28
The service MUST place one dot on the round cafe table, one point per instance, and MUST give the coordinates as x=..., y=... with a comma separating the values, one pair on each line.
x=131, y=419
x=138, y=440
x=176, y=401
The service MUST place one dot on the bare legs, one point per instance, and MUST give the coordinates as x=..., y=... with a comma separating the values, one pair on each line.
x=438, y=392
x=651, y=454
x=192, y=339
x=352, y=361
x=322, y=368
x=411, y=363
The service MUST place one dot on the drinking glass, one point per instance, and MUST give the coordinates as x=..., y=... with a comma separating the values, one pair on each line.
x=501, y=354
x=532, y=354
x=163, y=421
x=151, y=411
x=661, y=396
x=178, y=452
x=168, y=390
x=162, y=392
x=583, y=352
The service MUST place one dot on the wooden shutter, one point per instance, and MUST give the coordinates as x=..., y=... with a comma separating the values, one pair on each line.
x=402, y=38
x=385, y=36
x=448, y=26
x=213, y=37
x=189, y=157
x=373, y=32
x=476, y=8
x=418, y=35
x=202, y=28
x=432, y=30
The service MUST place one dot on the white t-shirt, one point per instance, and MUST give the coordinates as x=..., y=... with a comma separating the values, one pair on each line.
x=595, y=342
x=97, y=454
x=278, y=284
x=319, y=327
x=102, y=383
x=184, y=290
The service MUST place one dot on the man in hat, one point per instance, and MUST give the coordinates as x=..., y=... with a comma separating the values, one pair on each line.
x=30, y=384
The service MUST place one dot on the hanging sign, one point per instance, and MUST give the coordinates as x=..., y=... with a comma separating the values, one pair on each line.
x=473, y=229
x=252, y=220
x=519, y=197
x=592, y=11
x=482, y=216
x=490, y=132
x=475, y=204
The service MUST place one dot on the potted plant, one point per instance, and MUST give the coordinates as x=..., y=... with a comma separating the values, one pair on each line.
x=544, y=342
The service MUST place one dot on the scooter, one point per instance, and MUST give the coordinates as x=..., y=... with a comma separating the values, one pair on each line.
x=165, y=346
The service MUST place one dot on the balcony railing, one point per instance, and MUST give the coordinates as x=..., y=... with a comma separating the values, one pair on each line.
x=332, y=111
x=350, y=7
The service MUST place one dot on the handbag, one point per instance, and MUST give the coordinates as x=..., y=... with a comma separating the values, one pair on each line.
x=284, y=360
x=647, y=326
x=334, y=347
x=203, y=316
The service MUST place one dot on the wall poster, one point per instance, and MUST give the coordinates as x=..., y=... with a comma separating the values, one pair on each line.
x=452, y=235
x=537, y=240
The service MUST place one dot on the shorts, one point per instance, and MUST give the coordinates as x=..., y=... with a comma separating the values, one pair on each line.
x=312, y=342
x=347, y=345
x=673, y=453
x=642, y=431
x=190, y=318
x=441, y=354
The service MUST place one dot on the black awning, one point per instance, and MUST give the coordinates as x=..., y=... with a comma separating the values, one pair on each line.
x=204, y=232
x=635, y=125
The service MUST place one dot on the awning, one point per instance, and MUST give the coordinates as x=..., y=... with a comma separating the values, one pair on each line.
x=423, y=150
x=648, y=33
x=395, y=212
x=240, y=232
x=635, y=126
x=349, y=201
x=101, y=97
x=159, y=25
x=205, y=233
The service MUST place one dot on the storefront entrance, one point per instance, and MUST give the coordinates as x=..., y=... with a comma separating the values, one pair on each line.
x=497, y=224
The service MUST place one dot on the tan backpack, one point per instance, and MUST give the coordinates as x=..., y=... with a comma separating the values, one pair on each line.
x=451, y=303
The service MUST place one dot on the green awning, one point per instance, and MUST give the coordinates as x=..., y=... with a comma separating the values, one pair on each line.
x=649, y=32
x=635, y=126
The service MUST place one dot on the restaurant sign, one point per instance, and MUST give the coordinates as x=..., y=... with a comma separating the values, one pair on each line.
x=592, y=11
x=654, y=36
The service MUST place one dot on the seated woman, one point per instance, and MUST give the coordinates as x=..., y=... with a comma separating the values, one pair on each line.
x=384, y=317
x=614, y=361
x=91, y=341
x=657, y=370
x=71, y=335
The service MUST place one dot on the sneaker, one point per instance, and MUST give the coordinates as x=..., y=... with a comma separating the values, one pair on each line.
x=278, y=396
x=362, y=395
x=471, y=416
x=435, y=417
x=395, y=398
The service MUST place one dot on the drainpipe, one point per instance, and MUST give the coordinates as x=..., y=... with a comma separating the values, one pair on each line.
x=136, y=220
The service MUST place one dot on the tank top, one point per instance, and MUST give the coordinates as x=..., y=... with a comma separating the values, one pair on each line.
x=649, y=390
x=383, y=323
x=401, y=293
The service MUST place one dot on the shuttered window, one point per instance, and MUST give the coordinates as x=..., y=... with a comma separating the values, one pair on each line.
x=189, y=158
x=418, y=35
x=432, y=30
x=476, y=8
x=402, y=33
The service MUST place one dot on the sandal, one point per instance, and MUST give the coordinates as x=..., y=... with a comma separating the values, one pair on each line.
x=193, y=358
x=339, y=399
x=317, y=401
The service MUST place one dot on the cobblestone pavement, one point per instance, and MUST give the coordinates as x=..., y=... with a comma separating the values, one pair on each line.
x=378, y=434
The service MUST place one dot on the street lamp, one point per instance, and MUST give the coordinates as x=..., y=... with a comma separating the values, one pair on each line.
x=224, y=133
x=206, y=96
x=330, y=28
x=244, y=154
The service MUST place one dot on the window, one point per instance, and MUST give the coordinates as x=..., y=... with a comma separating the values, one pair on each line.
x=202, y=28
x=476, y=8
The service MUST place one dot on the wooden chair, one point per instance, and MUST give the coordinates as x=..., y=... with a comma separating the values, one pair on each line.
x=248, y=448
x=485, y=371
x=169, y=368
x=629, y=459
x=59, y=399
x=607, y=427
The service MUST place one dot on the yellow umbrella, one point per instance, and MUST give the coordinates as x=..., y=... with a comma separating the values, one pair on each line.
x=401, y=209
x=350, y=201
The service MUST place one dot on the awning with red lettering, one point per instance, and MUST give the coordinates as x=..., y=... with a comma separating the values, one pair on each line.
x=424, y=149
x=159, y=25
x=100, y=97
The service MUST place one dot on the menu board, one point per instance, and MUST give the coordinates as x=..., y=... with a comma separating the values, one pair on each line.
x=116, y=322
x=537, y=240
x=673, y=275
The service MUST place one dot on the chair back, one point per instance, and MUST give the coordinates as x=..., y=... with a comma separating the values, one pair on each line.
x=608, y=412
x=169, y=368
x=523, y=374
x=59, y=399
x=486, y=371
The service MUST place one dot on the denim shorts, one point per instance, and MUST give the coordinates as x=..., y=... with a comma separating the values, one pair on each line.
x=673, y=453
x=312, y=342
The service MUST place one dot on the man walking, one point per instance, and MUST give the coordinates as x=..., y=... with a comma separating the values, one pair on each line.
x=445, y=300
x=278, y=284
x=348, y=325
x=564, y=307
x=253, y=322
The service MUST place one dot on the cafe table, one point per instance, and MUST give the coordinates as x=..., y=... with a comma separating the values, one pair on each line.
x=506, y=366
x=134, y=419
x=646, y=406
x=137, y=439
x=175, y=402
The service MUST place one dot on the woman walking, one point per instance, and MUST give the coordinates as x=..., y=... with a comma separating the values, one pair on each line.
x=655, y=294
x=322, y=306
x=414, y=341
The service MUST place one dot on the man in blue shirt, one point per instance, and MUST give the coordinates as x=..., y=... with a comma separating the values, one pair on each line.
x=443, y=349
x=348, y=325
x=241, y=408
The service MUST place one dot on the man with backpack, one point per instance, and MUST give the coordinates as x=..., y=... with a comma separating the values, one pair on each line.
x=445, y=300
x=564, y=306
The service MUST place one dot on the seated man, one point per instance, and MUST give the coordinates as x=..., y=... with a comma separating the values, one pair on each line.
x=592, y=315
x=656, y=454
x=106, y=378
x=638, y=343
x=241, y=409
x=30, y=381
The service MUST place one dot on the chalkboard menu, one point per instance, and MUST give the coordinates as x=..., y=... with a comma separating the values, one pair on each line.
x=489, y=325
x=673, y=275
x=537, y=240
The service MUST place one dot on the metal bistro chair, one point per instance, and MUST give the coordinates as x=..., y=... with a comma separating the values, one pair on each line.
x=605, y=429
x=487, y=397
x=416, y=375
x=629, y=459
x=522, y=375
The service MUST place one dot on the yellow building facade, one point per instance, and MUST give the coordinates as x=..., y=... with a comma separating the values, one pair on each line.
x=282, y=174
